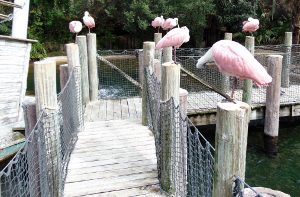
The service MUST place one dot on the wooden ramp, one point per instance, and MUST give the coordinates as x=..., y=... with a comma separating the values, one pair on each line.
x=113, y=158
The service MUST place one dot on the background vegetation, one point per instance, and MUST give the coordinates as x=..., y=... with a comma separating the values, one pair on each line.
x=126, y=23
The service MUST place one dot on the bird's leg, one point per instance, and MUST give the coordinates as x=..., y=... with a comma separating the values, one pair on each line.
x=174, y=55
x=233, y=86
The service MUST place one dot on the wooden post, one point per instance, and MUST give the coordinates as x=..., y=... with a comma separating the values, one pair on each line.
x=170, y=88
x=20, y=19
x=63, y=75
x=285, y=77
x=225, y=80
x=272, y=105
x=167, y=55
x=81, y=41
x=148, y=58
x=141, y=66
x=248, y=84
x=157, y=38
x=93, y=68
x=231, y=144
x=46, y=103
x=157, y=68
x=29, y=109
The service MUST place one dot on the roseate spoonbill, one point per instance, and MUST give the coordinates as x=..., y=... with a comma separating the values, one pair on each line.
x=158, y=22
x=251, y=25
x=88, y=21
x=170, y=23
x=235, y=60
x=175, y=38
x=75, y=27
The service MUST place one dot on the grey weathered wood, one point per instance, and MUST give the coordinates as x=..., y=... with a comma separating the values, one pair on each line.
x=20, y=19
x=46, y=104
x=148, y=60
x=63, y=75
x=93, y=68
x=248, y=84
x=167, y=54
x=225, y=80
x=158, y=52
x=83, y=56
x=285, y=79
x=170, y=84
x=231, y=145
x=271, y=127
x=141, y=66
x=157, y=69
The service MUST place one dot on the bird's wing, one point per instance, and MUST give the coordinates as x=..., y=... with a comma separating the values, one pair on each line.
x=175, y=37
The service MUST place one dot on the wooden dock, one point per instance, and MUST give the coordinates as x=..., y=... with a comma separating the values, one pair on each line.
x=115, y=154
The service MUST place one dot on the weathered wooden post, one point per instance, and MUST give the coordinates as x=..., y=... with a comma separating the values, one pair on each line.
x=46, y=104
x=148, y=58
x=63, y=75
x=248, y=84
x=82, y=45
x=157, y=38
x=225, y=80
x=170, y=84
x=167, y=54
x=273, y=105
x=20, y=19
x=141, y=66
x=93, y=68
x=231, y=144
x=285, y=79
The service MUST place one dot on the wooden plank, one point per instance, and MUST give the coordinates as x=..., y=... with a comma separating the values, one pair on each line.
x=124, y=109
x=138, y=106
x=109, y=110
x=95, y=111
x=116, y=109
x=131, y=108
x=102, y=110
x=88, y=112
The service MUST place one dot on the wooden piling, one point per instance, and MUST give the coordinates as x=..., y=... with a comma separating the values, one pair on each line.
x=158, y=52
x=225, y=80
x=285, y=79
x=20, y=19
x=148, y=58
x=83, y=56
x=46, y=104
x=63, y=75
x=157, y=68
x=170, y=85
x=93, y=68
x=248, y=84
x=167, y=55
x=231, y=144
x=141, y=66
x=273, y=105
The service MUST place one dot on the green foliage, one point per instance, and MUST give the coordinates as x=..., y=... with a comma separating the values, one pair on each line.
x=38, y=51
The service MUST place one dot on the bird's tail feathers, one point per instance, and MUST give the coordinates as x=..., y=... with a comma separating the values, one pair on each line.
x=207, y=57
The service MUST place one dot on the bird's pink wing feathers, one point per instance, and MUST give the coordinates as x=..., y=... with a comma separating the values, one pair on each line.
x=250, y=26
x=89, y=21
x=235, y=60
x=157, y=22
x=175, y=38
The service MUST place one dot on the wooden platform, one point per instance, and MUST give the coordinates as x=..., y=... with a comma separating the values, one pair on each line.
x=113, y=157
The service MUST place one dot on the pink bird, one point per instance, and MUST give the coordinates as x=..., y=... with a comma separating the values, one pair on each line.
x=234, y=59
x=158, y=22
x=75, y=27
x=251, y=25
x=88, y=20
x=175, y=38
x=170, y=23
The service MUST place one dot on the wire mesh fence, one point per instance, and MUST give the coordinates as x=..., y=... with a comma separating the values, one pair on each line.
x=40, y=167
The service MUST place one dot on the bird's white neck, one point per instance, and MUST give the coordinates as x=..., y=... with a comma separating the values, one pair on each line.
x=207, y=57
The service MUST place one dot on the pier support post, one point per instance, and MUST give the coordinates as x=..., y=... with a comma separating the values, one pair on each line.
x=148, y=60
x=20, y=19
x=271, y=127
x=167, y=55
x=170, y=85
x=93, y=68
x=158, y=52
x=248, y=84
x=285, y=77
x=225, y=80
x=49, y=136
x=231, y=144
x=82, y=45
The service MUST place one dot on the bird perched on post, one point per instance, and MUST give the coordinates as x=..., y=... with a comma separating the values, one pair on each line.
x=170, y=23
x=75, y=27
x=175, y=38
x=251, y=25
x=158, y=22
x=234, y=59
x=88, y=21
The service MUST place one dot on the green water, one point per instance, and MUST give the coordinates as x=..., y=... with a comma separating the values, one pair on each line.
x=279, y=173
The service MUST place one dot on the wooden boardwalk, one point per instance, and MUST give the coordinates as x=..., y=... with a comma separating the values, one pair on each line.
x=113, y=157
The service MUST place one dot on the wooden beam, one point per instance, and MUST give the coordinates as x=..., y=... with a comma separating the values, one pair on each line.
x=10, y=4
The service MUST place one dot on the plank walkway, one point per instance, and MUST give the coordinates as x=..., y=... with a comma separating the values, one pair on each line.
x=113, y=157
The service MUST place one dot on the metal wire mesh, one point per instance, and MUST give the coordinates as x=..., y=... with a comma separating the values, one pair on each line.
x=40, y=167
x=112, y=84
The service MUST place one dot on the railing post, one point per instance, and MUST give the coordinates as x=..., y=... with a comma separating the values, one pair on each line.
x=141, y=66
x=20, y=19
x=231, y=144
x=170, y=85
x=273, y=105
x=285, y=77
x=157, y=38
x=82, y=45
x=167, y=55
x=92, y=61
x=248, y=84
x=49, y=143
x=148, y=58
x=225, y=80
